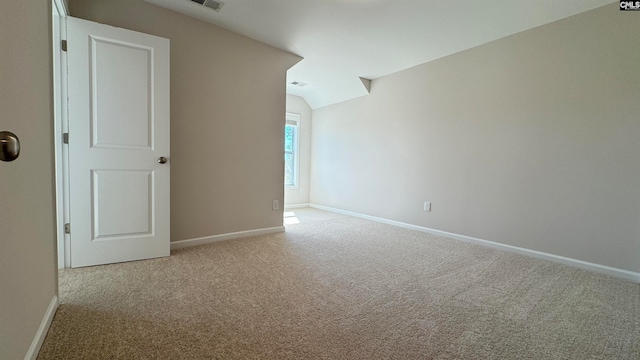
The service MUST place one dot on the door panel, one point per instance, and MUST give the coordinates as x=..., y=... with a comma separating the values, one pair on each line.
x=111, y=188
x=121, y=74
x=118, y=128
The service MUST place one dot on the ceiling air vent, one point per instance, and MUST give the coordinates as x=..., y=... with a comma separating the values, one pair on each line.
x=212, y=4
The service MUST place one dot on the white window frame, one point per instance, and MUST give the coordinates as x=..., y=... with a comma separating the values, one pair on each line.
x=294, y=119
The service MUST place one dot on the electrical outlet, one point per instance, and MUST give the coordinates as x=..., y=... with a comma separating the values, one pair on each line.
x=275, y=205
x=427, y=206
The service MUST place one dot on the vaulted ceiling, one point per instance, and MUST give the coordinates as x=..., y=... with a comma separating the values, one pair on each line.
x=345, y=43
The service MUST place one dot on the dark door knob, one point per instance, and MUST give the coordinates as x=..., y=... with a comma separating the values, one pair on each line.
x=10, y=146
x=162, y=160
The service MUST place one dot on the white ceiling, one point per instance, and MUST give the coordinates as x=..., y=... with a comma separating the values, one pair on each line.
x=344, y=40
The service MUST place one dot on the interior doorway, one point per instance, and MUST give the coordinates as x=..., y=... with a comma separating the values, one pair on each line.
x=111, y=89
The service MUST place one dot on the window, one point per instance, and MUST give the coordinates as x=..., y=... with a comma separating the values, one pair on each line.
x=291, y=150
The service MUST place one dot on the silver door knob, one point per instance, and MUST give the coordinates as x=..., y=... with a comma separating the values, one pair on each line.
x=162, y=160
x=9, y=146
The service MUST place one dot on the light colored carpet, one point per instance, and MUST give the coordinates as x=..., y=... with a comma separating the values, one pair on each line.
x=338, y=287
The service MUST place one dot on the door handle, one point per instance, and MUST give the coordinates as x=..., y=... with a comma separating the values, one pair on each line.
x=10, y=145
x=162, y=160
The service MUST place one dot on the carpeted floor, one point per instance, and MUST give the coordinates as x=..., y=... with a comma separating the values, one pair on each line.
x=338, y=287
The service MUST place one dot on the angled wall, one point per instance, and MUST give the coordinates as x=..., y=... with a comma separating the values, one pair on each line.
x=531, y=140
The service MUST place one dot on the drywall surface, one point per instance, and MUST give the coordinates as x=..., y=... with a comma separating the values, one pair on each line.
x=227, y=114
x=28, y=270
x=300, y=195
x=531, y=140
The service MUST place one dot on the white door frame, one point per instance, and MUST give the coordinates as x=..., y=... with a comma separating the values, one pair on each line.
x=60, y=126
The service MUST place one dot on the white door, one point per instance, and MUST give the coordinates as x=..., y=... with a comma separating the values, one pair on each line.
x=118, y=88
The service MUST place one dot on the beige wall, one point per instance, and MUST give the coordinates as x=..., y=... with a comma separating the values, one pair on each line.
x=28, y=271
x=227, y=113
x=298, y=105
x=531, y=140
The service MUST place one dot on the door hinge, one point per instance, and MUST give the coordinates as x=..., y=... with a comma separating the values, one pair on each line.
x=67, y=228
x=64, y=45
x=65, y=138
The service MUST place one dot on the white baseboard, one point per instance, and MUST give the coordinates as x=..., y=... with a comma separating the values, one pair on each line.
x=603, y=269
x=215, y=238
x=296, y=206
x=36, y=344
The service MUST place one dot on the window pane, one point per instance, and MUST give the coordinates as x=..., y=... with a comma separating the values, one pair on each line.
x=288, y=137
x=289, y=170
x=290, y=151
